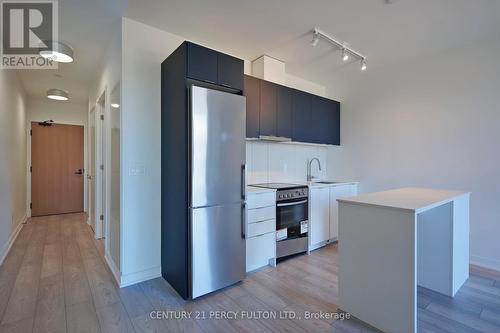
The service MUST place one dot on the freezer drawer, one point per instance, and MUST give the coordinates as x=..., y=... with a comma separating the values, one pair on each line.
x=217, y=248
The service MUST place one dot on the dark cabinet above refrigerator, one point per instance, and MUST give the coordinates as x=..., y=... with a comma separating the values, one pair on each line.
x=279, y=113
x=204, y=64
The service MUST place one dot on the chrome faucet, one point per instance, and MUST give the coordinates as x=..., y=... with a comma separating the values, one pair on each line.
x=309, y=176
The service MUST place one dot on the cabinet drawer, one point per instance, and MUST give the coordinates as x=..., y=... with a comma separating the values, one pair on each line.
x=260, y=228
x=259, y=250
x=257, y=200
x=261, y=214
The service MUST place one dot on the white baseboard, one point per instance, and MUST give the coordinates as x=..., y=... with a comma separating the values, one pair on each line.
x=5, y=250
x=489, y=263
x=137, y=277
x=112, y=266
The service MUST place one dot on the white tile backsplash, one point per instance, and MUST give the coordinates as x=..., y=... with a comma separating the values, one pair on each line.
x=282, y=162
x=257, y=162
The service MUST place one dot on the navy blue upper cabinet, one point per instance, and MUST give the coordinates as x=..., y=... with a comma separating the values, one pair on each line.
x=325, y=118
x=284, y=111
x=303, y=130
x=201, y=63
x=276, y=110
x=252, y=93
x=267, y=119
x=210, y=66
x=229, y=71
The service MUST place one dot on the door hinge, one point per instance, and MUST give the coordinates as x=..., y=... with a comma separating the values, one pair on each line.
x=31, y=168
x=31, y=132
x=101, y=217
x=31, y=205
x=102, y=117
x=101, y=167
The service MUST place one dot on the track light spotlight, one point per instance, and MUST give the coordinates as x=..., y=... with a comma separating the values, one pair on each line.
x=363, y=65
x=345, y=55
x=315, y=39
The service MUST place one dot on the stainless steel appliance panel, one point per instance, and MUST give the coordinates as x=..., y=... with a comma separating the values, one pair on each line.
x=217, y=247
x=218, y=147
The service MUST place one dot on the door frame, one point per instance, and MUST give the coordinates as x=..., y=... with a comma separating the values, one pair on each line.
x=28, y=160
x=101, y=158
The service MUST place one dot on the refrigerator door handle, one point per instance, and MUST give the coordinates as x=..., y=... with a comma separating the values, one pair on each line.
x=243, y=220
x=243, y=182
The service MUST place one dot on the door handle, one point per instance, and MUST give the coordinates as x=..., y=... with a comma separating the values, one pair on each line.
x=243, y=182
x=79, y=172
x=243, y=220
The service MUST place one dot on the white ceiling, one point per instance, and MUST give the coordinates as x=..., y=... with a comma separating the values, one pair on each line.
x=87, y=26
x=385, y=33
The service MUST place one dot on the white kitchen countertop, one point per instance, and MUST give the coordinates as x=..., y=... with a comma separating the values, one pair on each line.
x=315, y=184
x=410, y=198
x=255, y=189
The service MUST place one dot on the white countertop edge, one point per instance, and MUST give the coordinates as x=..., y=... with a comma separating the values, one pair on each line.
x=334, y=183
x=410, y=210
x=254, y=189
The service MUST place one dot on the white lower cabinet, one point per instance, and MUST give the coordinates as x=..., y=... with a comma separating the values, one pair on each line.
x=337, y=192
x=323, y=212
x=260, y=249
x=319, y=214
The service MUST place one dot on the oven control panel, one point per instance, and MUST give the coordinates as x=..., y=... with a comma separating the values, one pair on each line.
x=295, y=193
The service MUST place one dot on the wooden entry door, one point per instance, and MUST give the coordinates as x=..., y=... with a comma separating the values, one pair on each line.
x=57, y=169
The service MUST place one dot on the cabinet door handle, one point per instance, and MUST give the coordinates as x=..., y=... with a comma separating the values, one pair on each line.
x=291, y=203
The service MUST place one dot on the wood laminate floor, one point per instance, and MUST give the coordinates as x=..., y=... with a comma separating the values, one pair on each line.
x=55, y=280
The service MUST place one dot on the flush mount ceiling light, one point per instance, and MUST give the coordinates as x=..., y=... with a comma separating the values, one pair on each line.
x=57, y=94
x=346, y=50
x=57, y=51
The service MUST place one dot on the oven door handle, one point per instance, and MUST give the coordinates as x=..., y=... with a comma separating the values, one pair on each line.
x=291, y=203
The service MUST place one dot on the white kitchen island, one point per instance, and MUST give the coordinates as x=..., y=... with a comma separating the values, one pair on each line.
x=390, y=242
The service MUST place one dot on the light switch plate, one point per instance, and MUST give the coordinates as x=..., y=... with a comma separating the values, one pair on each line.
x=137, y=170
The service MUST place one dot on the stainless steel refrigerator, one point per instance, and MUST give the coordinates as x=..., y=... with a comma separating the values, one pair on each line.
x=217, y=190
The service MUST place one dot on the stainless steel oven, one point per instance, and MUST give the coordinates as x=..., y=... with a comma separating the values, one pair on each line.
x=292, y=218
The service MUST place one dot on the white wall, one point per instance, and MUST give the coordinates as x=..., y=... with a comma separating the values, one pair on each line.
x=432, y=123
x=109, y=75
x=13, y=167
x=144, y=49
x=269, y=162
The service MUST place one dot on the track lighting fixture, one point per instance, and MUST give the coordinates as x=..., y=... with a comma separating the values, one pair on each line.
x=347, y=52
